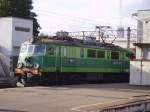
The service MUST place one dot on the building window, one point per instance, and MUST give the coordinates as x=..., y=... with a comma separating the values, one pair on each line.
x=114, y=55
x=101, y=54
x=23, y=29
x=91, y=53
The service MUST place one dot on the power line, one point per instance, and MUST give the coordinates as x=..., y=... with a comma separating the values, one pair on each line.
x=72, y=18
x=60, y=14
x=71, y=21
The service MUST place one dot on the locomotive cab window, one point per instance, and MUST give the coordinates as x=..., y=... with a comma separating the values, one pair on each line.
x=100, y=54
x=30, y=49
x=114, y=55
x=91, y=53
x=23, y=48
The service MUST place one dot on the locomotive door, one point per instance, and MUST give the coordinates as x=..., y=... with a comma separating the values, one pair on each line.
x=58, y=59
x=123, y=61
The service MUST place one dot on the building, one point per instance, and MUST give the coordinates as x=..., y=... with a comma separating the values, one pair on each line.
x=140, y=68
x=14, y=31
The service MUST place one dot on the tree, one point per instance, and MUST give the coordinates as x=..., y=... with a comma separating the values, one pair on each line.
x=22, y=9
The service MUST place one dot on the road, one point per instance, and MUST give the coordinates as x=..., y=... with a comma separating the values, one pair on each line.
x=67, y=98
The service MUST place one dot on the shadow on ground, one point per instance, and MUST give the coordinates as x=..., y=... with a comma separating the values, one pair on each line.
x=9, y=110
x=122, y=87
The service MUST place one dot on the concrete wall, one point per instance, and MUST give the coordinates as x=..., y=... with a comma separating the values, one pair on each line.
x=5, y=36
x=146, y=53
x=138, y=53
x=140, y=72
x=22, y=29
x=13, y=32
x=144, y=26
x=140, y=68
x=140, y=31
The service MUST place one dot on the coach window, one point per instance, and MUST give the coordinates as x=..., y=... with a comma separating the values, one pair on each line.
x=51, y=50
x=100, y=54
x=91, y=53
x=114, y=55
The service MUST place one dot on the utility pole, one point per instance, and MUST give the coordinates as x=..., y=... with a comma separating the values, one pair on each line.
x=83, y=32
x=99, y=33
x=128, y=37
x=120, y=12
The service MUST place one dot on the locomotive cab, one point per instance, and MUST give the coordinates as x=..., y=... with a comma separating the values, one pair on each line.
x=30, y=61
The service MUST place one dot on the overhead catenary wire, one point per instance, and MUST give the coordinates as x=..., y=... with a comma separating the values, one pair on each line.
x=70, y=16
x=84, y=23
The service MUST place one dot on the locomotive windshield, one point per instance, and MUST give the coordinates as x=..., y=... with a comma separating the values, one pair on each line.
x=23, y=49
x=33, y=49
x=30, y=49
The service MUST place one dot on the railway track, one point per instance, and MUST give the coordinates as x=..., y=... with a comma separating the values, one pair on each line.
x=135, y=104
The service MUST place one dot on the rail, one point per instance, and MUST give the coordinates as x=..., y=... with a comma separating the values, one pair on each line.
x=135, y=104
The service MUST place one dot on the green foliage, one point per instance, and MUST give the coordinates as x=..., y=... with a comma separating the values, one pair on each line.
x=20, y=8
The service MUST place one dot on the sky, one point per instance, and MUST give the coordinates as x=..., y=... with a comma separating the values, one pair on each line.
x=83, y=15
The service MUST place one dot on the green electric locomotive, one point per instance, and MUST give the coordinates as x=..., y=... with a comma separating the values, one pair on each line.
x=67, y=61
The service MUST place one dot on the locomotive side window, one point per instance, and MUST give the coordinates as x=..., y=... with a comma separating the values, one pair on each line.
x=100, y=54
x=39, y=49
x=51, y=50
x=114, y=55
x=91, y=53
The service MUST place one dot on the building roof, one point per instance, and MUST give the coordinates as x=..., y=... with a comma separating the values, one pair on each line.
x=13, y=17
x=78, y=43
x=142, y=45
x=144, y=10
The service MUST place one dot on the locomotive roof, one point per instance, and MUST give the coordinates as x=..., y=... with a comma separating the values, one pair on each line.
x=79, y=43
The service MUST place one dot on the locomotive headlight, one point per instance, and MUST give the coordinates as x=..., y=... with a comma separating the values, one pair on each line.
x=36, y=65
x=28, y=59
x=20, y=65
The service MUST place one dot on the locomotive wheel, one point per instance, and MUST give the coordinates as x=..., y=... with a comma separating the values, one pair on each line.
x=23, y=80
